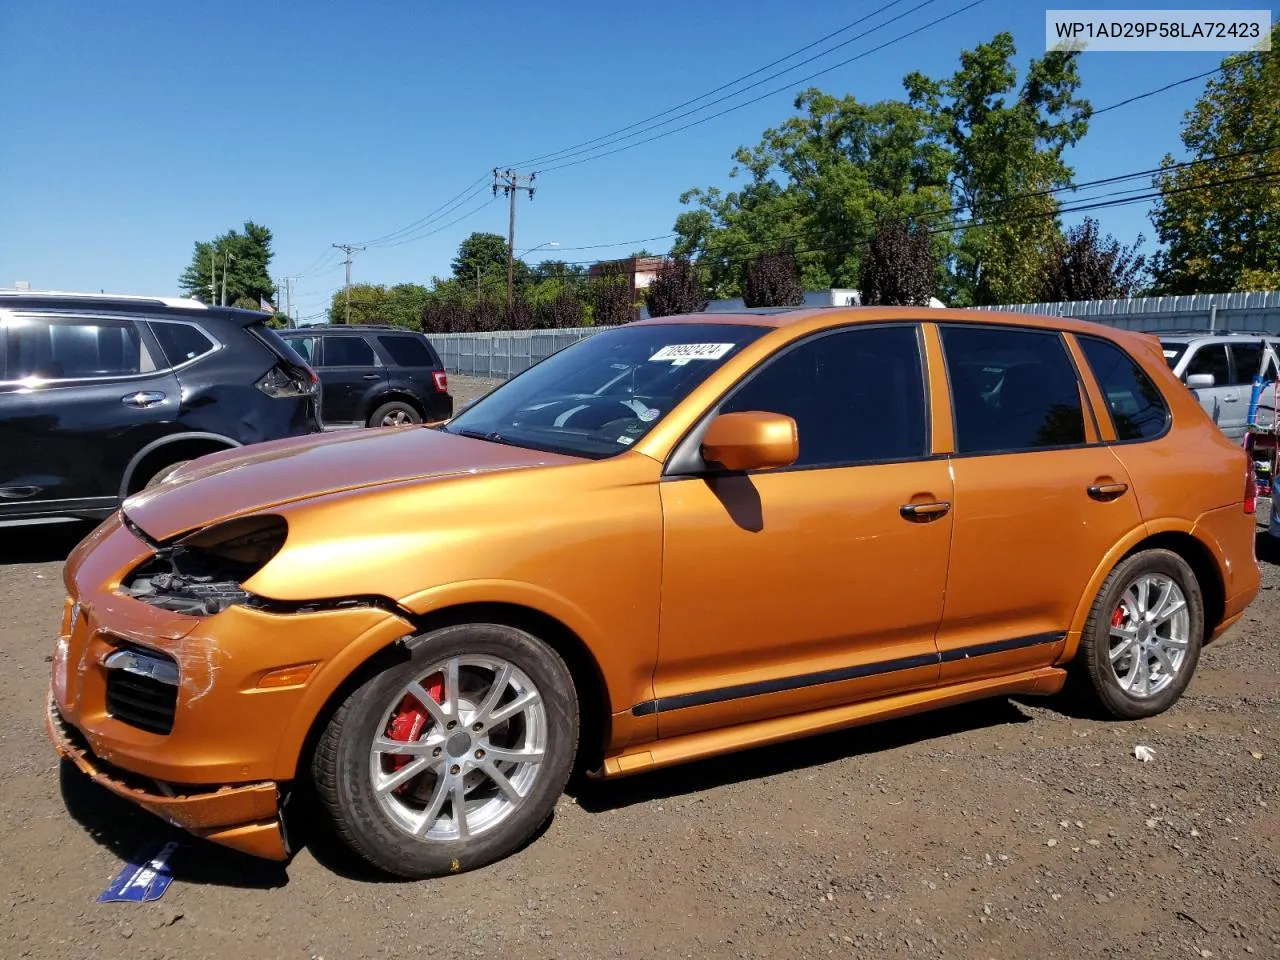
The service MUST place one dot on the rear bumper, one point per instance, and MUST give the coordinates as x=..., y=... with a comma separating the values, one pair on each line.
x=243, y=817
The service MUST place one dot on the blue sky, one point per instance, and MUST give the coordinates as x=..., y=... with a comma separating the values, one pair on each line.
x=130, y=129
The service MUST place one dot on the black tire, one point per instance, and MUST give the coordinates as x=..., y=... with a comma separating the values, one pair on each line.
x=398, y=409
x=159, y=475
x=341, y=765
x=1095, y=643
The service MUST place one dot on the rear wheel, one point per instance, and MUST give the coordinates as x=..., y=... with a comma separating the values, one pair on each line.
x=454, y=758
x=397, y=413
x=1142, y=640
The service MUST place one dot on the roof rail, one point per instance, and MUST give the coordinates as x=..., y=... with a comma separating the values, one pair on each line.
x=183, y=302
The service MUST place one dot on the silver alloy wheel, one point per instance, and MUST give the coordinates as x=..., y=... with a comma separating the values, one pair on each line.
x=474, y=755
x=1150, y=631
x=397, y=418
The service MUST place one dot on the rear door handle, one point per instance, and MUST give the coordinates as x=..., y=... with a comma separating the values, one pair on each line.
x=1107, y=491
x=143, y=398
x=372, y=376
x=924, y=512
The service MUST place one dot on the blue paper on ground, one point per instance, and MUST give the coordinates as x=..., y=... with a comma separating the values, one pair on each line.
x=144, y=878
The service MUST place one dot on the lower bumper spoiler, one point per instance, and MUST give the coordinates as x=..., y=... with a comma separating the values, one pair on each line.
x=244, y=817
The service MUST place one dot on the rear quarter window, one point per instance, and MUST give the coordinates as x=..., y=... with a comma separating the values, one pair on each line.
x=1138, y=409
x=181, y=341
x=408, y=351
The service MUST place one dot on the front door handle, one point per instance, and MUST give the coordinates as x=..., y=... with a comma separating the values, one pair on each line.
x=143, y=398
x=1107, y=491
x=924, y=512
x=372, y=376
x=1231, y=398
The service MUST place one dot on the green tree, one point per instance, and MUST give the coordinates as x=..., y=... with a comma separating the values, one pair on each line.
x=1222, y=236
x=1003, y=141
x=482, y=258
x=246, y=258
x=899, y=268
x=399, y=306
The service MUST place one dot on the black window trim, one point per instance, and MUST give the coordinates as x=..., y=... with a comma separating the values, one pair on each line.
x=139, y=324
x=1168, y=410
x=686, y=448
x=1085, y=403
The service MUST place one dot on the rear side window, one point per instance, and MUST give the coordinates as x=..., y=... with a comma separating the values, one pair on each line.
x=63, y=349
x=1137, y=408
x=1248, y=360
x=347, y=352
x=1211, y=358
x=181, y=341
x=1011, y=389
x=306, y=347
x=857, y=396
x=407, y=351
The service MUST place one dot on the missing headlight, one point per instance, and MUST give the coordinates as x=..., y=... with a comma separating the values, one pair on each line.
x=201, y=574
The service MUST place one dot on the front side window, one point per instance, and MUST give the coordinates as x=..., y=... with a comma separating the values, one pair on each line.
x=1137, y=408
x=1248, y=361
x=305, y=347
x=1011, y=389
x=599, y=396
x=67, y=348
x=1211, y=359
x=347, y=352
x=857, y=396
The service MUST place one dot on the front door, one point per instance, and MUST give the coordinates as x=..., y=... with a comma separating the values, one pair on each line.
x=821, y=583
x=79, y=396
x=1038, y=500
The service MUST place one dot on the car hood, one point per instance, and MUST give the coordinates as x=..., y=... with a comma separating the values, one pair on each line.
x=249, y=479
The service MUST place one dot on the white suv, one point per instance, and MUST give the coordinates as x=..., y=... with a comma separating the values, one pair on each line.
x=1219, y=369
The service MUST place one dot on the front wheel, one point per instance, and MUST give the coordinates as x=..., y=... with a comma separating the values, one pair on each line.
x=1142, y=640
x=454, y=758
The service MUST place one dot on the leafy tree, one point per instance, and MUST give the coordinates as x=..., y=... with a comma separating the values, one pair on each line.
x=676, y=288
x=611, y=297
x=773, y=280
x=482, y=257
x=899, y=267
x=488, y=316
x=447, y=317
x=565, y=309
x=400, y=305
x=1226, y=236
x=247, y=273
x=1004, y=141
x=519, y=316
x=1087, y=267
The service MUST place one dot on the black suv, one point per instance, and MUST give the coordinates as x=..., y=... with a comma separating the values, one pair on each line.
x=380, y=376
x=100, y=395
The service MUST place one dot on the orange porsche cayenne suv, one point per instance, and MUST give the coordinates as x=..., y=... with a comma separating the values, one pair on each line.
x=674, y=539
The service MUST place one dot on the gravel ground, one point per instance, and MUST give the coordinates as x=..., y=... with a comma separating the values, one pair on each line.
x=995, y=830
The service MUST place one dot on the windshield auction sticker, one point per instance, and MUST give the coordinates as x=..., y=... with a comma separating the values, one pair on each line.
x=1157, y=30
x=684, y=352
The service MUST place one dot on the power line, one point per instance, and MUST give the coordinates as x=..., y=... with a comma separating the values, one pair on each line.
x=556, y=154
x=463, y=195
x=422, y=236
x=1152, y=93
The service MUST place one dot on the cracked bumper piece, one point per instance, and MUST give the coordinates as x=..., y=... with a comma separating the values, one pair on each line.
x=245, y=817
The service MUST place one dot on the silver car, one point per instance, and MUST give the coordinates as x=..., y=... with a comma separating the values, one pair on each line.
x=1219, y=369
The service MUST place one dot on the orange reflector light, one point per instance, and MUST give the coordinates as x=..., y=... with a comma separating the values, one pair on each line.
x=293, y=676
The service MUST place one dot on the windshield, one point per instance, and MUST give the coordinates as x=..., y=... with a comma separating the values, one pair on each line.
x=602, y=394
x=1173, y=352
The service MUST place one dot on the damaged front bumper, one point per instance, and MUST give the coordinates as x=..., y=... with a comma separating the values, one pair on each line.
x=198, y=719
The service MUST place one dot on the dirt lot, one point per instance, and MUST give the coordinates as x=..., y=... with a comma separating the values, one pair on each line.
x=999, y=830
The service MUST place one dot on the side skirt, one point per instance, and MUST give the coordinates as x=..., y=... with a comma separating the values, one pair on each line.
x=708, y=743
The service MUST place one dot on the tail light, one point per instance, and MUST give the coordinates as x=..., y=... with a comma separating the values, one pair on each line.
x=1250, y=488
x=280, y=381
x=442, y=381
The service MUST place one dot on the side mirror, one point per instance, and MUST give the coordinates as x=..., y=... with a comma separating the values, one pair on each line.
x=1199, y=381
x=751, y=441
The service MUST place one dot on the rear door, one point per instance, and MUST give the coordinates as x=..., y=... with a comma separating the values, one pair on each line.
x=414, y=368
x=79, y=396
x=348, y=371
x=1247, y=360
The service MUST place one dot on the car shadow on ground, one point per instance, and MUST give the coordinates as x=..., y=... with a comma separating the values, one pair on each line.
x=125, y=829
x=41, y=543
x=599, y=796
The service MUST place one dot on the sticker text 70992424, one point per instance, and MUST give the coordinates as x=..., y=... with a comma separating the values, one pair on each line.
x=684, y=352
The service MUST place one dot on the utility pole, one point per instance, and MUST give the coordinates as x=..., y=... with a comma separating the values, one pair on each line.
x=213, y=277
x=511, y=182
x=226, y=260
x=348, y=249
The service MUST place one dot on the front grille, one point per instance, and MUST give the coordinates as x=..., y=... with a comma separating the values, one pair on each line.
x=141, y=701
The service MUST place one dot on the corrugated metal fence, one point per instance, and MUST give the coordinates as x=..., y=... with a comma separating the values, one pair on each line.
x=503, y=355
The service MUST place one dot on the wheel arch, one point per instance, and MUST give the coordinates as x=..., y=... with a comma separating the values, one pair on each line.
x=393, y=395
x=1177, y=538
x=588, y=679
x=155, y=453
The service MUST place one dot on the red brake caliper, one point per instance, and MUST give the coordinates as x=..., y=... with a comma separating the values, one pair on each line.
x=1117, y=618
x=410, y=719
